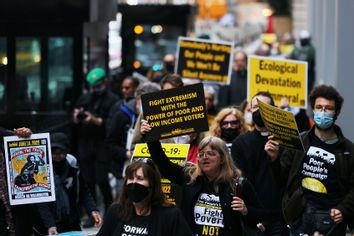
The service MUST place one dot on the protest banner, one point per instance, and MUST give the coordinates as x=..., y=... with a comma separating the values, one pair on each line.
x=175, y=112
x=204, y=60
x=280, y=77
x=282, y=125
x=177, y=153
x=29, y=169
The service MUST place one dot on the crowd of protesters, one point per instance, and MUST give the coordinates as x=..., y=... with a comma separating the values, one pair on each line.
x=237, y=179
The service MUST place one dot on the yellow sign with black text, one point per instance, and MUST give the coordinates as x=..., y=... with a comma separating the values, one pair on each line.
x=177, y=154
x=282, y=125
x=280, y=77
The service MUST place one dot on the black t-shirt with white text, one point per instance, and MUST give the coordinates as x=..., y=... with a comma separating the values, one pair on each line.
x=208, y=214
x=319, y=175
x=137, y=226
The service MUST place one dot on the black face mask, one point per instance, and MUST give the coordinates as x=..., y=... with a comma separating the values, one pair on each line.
x=137, y=192
x=229, y=134
x=257, y=118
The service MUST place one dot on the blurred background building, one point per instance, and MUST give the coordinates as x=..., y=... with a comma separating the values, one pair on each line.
x=46, y=47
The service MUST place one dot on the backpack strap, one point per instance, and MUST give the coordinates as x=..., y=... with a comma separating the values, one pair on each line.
x=127, y=111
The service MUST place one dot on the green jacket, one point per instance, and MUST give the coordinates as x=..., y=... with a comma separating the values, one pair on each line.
x=287, y=170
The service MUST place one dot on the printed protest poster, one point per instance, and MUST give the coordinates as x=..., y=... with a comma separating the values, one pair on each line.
x=204, y=60
x=177, y=153
x=280, y=77
x=175, y=112
x=29, y=169
x=282, y=125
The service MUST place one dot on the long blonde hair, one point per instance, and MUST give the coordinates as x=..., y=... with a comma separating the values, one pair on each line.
x=228, y=171
x=215, y=128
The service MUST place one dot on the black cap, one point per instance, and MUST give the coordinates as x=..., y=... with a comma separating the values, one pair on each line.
x=59, y=140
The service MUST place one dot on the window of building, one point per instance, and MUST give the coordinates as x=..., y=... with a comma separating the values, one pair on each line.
x=60, y=73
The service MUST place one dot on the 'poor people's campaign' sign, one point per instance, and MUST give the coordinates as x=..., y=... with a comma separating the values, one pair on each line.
x=175, y=112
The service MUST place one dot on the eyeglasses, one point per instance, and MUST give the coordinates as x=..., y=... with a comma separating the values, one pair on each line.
x=231, y=123
x=208, y=154
x=320, y=108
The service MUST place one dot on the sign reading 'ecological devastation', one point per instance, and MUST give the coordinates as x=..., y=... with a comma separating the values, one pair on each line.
x=175, y=112
x=204, y=59
x=282, y=78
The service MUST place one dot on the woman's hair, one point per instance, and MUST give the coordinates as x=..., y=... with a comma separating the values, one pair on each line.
x=174, y=79
x=215, y=127
x=155, y=198
x=228, y=171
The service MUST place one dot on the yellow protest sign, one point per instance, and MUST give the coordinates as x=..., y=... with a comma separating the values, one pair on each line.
x=282, y=125
x=280, y=77
x=177, y=153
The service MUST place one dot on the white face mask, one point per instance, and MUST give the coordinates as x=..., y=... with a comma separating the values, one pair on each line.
x=184, y=139
x=248, y=118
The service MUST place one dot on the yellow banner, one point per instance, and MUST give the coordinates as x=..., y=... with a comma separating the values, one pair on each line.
x=179, y=151
x=280, y=77
x=282, y=125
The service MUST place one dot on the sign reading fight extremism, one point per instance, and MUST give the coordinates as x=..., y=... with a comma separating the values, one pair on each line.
x=177, y=153
x=282, y=125
x=175, y=112
x=281, y=78
x=204, y=59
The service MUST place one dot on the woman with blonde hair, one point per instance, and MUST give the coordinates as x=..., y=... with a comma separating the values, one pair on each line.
x=227, y=125
x=209, y=200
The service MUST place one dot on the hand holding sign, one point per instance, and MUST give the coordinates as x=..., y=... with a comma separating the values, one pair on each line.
x=282, y=125
x=144, y=127
x=272, y=148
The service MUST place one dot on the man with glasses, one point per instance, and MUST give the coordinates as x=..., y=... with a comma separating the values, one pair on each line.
x=319, y=193
x=248, y=153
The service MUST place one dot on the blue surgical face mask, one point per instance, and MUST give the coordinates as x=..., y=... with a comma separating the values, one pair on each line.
x=323, y=119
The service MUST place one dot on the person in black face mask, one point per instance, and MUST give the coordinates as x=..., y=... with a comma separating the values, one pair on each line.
x=89, y=117
x=227, y=125
x=142, y=208
x=248, y=153
x=63, y=215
